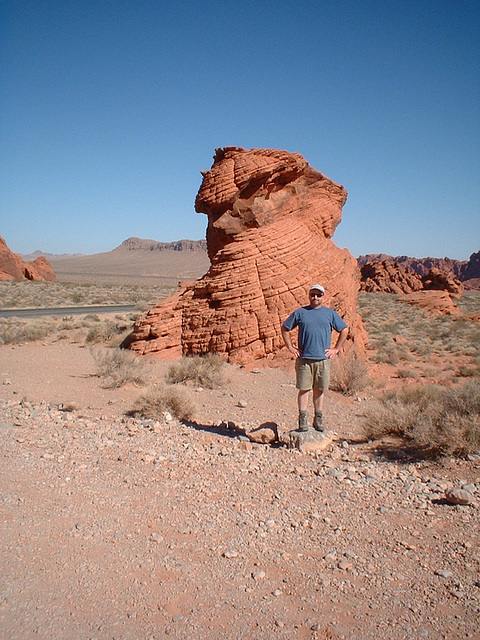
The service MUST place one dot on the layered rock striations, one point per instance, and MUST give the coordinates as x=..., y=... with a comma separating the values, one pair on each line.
x=12, y=267
x=271, y=217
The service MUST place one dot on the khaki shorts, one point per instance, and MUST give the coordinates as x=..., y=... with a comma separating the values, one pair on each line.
x=312, y=374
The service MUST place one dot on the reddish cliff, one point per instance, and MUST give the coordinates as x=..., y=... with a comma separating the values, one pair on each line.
x=12, y=267
x=271, y=217
x=467, y=272
x=388, y=277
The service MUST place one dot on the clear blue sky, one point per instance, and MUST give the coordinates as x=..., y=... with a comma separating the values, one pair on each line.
x=110, y=110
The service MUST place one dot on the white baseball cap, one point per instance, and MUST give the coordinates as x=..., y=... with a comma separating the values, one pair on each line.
x=317, y=287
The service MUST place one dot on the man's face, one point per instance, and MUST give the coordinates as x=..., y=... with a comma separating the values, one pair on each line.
x=315, y=298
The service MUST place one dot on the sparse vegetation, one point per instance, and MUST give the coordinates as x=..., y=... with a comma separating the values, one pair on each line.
x=349, y=375
x=90, y=329
x=400, y=333
x=15, y=331
x=118, y=367
x=433, y=420
x=203, y=371
x=110, y=332
x=30, y=295
x=159, y=399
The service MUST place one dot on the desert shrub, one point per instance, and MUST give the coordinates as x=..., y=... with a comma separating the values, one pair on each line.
x=469, y=302
x=118, y=367
x=434, y=420
x=108, y=332
x=14, y=331
x=407, y=373
x=388, y=355
x=204, y=371
x=349, y=374
x=159, y=399
x=468, y=372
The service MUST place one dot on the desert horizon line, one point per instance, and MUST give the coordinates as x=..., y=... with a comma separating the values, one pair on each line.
x=61, y=254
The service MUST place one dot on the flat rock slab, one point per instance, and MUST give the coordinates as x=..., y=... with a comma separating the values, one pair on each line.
x=309, y=441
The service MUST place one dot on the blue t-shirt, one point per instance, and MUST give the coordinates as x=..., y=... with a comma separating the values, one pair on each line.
x=314, y=329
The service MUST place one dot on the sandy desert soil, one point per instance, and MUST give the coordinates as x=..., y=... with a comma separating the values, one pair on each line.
x=127, y=528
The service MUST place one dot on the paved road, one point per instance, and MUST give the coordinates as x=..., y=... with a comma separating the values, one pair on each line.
x=67, y=311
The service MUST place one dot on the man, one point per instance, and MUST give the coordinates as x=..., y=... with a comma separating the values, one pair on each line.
x=315, y=323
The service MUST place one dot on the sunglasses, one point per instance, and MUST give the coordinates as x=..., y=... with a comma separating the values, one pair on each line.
x=316, y=295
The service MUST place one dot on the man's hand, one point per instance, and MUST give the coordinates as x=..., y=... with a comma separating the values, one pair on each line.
x=331, y=352
x=296, y=352
x=288, y=342
x=340, y=342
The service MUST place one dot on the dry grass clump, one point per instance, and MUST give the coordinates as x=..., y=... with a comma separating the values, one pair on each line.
x=202, y=371
x=433, y=420
x=407, y=373
x=111, y=332
x=15, y=331
x=349, y=374
x=118, y=368
x=159, y=399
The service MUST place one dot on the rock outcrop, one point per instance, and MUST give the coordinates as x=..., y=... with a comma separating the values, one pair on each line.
x=12, y=267
x=433, y=301
x=436, y=280
x=421, y=266
x=388, y=277
x=465, y=271
x=432, y=291
x=271, y=217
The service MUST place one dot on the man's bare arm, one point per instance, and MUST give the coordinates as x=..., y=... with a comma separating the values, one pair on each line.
x=288, y=342
x=340, y=342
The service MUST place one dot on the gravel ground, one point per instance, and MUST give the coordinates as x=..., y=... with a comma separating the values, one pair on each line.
x=126, y=528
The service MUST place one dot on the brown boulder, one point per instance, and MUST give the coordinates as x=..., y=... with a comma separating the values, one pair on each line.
x=388, y=277
x=12, y=267
x=271, y=217
x=438, y=280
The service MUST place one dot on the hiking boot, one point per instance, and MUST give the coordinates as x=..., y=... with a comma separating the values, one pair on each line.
x=302, y=421
x=318, y=421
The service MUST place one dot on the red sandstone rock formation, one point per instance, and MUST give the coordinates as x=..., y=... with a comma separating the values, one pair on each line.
x=433, y=301
x=421, y=266
x=12, y=267
x=442, y=281
x=271, y=217
x=388, y=277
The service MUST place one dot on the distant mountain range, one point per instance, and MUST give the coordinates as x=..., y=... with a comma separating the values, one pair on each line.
x=135, y=244
x=188, y=259
x=28, y=257
x=136, y=261
x=130, y=244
